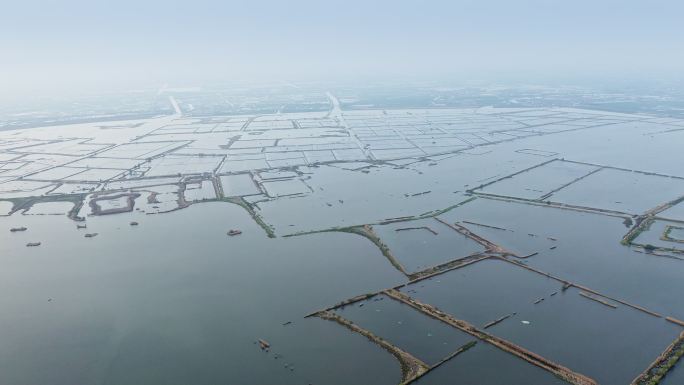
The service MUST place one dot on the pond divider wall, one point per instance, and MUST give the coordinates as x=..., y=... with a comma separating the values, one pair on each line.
x=665, y=362
x=490, y=246
x=130, y=203
x=460, y=350
x=411, y=367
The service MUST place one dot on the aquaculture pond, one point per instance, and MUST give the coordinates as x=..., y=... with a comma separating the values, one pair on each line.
x=580, y=330
x=664, y=234
x=484, y=291
x=574, y=328
x=238, y=185
x=586, y=250
x=424, y=337
x=424, y=243
x=341, y=197
x=539, y=181
x=512, y=226
x=485, y=364
x=623, y=191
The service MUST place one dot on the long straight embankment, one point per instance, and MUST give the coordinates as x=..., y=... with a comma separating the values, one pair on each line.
x=533, y=358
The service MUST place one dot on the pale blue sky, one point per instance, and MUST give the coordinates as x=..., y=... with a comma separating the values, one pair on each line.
x=51, y=44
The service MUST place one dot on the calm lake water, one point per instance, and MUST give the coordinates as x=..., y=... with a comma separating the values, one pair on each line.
x=176, y=301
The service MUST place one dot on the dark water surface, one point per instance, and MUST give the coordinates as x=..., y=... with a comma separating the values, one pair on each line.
x=484, y=364
x=176, y=301
x=426, y=338
x=586, y=251
x=560, y=325
x=424, y=243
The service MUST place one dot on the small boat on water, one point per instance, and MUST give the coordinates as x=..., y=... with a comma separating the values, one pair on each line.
x=134, y=223
x=33, y=244
x=81, y=226
x=90, y=235
x=15, y=229
x=233, y=232
x=263, y=344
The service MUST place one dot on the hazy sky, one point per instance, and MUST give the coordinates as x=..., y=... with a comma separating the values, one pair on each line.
x=70, y=43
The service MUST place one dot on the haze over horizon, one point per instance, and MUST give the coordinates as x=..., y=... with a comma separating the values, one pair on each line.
x=75, y=44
